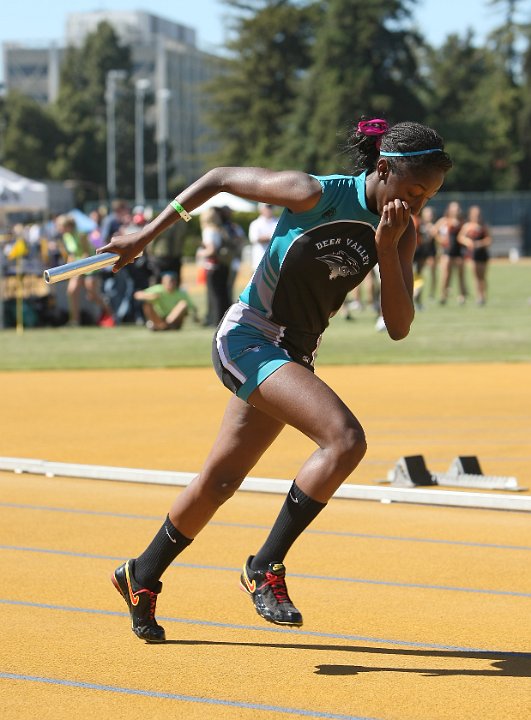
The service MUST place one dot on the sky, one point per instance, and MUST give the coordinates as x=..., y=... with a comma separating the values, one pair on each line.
x=38, y=22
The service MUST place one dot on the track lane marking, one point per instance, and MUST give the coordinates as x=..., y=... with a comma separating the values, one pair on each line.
x=181, y=698
x=310, y=531
x=304, y=576
x=296, y=632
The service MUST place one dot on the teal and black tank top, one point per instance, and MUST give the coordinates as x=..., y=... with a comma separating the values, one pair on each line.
x=313, y=260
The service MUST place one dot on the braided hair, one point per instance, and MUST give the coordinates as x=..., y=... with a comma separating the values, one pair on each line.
x=406, y=146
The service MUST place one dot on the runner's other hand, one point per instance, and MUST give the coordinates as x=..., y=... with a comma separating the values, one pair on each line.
x=393, y=222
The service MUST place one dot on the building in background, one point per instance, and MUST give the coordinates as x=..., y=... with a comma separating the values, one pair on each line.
x=33, y=69
x=164, y=53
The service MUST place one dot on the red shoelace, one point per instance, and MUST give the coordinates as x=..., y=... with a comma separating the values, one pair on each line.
x=152, y=604
x=278, y=586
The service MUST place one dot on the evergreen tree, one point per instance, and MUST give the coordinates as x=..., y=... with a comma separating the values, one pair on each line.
x=514, y=71
x=364, y=63
x=268, y=50
x=506, y=35
x=473, y=101
x=29, y=132
x=81, y=114
x=500, y=98
x=453, y=74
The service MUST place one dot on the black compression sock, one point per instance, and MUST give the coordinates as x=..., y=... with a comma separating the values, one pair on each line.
x=296, y=514
x=159, y=554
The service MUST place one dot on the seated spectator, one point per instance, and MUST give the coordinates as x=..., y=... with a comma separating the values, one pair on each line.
x=166, y=305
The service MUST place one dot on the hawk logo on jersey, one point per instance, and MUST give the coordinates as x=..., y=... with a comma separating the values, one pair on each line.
x=329, y=214
x=340, y=264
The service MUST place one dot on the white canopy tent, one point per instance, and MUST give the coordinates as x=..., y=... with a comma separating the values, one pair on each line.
x=18, y=194
x=21, y=194
x=223, y=199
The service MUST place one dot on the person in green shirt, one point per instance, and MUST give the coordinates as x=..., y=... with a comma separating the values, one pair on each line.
x=166, y=305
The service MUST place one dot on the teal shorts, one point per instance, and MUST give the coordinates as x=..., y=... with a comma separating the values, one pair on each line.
x=243, y=358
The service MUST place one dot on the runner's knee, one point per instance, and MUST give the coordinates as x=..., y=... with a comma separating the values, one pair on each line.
x=348, y=446
x=216, y=492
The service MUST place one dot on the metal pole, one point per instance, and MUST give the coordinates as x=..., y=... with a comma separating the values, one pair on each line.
x=163, y=96
x=140, y=90
x=162, y=182
x=110, y=98
x=111, y=136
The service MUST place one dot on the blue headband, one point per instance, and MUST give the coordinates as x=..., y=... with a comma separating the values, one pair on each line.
x=410, y=154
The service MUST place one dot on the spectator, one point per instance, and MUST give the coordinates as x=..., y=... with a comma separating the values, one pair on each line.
x=140, y=271
x=95, y=236
x=475, y=236
x=166, y=305
x=77, y=246
x=115, y=220
x=118, y=288
x=260, y=232
x=237, y=239
x=166, y=252
x=215, y=256
x=426, y=253
x=52, y=248
x=446, y=231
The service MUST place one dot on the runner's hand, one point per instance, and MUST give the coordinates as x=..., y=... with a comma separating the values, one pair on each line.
x=128, y=247
x=393, y=222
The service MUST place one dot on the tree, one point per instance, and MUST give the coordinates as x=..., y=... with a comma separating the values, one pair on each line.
x=81, y=114
x=299, y=72
x=471, y=102
x=507, y=34
x=515, y=66
x=29, y=132
x=268, y=50
x=452, y=75
x=363, y=63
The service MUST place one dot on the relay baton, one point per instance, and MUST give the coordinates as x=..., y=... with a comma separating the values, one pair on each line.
x=79, y=267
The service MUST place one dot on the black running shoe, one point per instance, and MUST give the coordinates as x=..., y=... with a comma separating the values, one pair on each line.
x=269, y=593
x=141, y=603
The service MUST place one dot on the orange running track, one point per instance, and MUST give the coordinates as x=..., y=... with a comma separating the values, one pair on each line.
x=413, y=612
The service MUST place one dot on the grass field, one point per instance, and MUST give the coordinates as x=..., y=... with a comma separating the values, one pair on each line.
x=497, y=332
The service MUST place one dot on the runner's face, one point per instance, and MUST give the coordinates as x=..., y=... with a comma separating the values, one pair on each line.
x=416, y=189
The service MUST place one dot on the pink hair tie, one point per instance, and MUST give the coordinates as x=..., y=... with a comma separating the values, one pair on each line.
x=373, y=127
